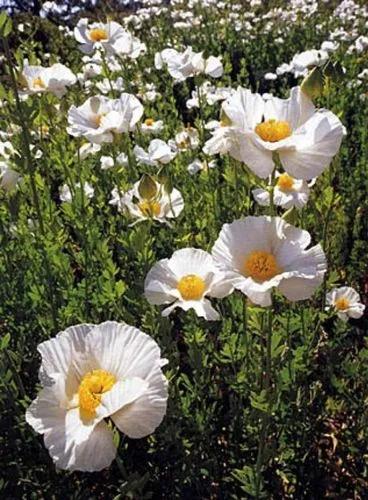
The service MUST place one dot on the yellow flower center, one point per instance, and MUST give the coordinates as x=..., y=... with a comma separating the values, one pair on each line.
x=90, y=391
x=273, y=130
x=342, y=304
x=150, y=208
x=149, y=122
x=285, y=182
x=38, y=83
x=98, y=34
x=191, y=287
x=261, y=266
x=96, y=120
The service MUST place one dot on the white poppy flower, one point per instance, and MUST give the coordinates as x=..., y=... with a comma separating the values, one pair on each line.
x=66, y=194
x=188, y=138
x=159, y=153
x=97, y=35
x=99, y=117
x=197, y=165
x=346, y=302
x=185, y=280
x=261, y=253
x=305, y=139
x=89, y=373
x=128, y=45
x=308, y=59
x=182, y=65
x=88, y=149
x=288, y=192
x=152, y=126
x=106, y=162
x=37, y=79
x=160, y=208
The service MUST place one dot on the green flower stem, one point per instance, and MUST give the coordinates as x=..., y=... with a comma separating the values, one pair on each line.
x=26, y=142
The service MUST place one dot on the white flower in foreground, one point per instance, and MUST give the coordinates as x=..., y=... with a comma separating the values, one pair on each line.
x=304, y=138
x=67, y=196
x=99, y=118
x=185, y=280
x=160, y=207
x=288, y=192
x=346, y=302
x=152, y=126
x=260, y=253
x=182, y=65
x=55, y=79
x=90, y=373
x=159, y=153
x=97, y=35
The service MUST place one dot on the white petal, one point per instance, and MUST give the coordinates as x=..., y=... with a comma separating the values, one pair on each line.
x=123, y=350
x=300, y=288
x=316, y=142
x=93, y=454
x=143, y=416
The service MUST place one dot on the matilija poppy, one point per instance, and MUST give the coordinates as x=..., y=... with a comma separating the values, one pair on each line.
x=346, y=302
x=90, y=373
x=186, y=280
x=99, y=117
x=304, y=138
x=261, y=253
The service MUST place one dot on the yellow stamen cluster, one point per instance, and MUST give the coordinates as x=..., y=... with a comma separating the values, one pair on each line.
x=90, y=391
x=342, y=304
x=149, y=122
x=38, y=83
x=97, y=120
x=150, y=208
x=98, y=35
x=191, y=287
x=261, y=266
x=273, y=130
x=285, y=182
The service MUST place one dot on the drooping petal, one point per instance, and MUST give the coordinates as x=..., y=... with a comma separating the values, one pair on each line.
x=146, y=413
x=316, y=143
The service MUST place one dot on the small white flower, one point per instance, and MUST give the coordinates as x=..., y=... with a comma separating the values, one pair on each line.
x=187, y=139
x=288, y=192
x=97, y=35
x=36, y=79
x=185, y=280
x=88, y=149
x=66, y=194
x=182, y=65
x=122, y=160
x=260, y=253
x=197, y=165
x=152, y=126
x=270, y=76
x=159, y=153
x=346, y=302
x=90, y=373
x=106, y=162
x=99, y=118
x=161, y=207
x=308, y=59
